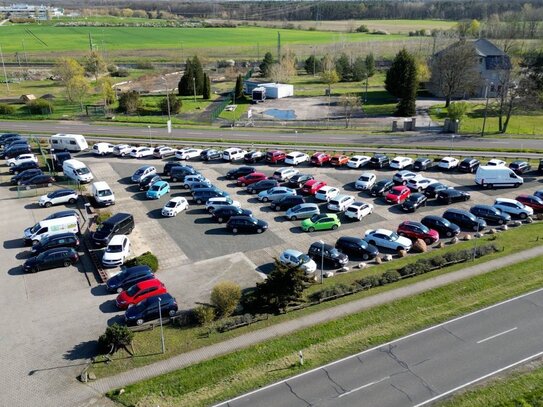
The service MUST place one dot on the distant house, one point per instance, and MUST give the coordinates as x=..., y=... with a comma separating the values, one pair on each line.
x=27, y=98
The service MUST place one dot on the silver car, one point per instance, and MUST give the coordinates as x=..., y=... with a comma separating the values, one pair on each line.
x=303, y=211
x=276, y=193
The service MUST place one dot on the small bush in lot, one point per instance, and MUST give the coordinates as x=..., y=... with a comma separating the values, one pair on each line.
x=116, y=337
x=389, y=277
x=147, y=259
x=437, y=261
x=331, y=292
x=6, y=109
x=204, y=314
x=39, y=106
x=102, y=216
x=225, y=298
x=369, y=282
x=486, y=249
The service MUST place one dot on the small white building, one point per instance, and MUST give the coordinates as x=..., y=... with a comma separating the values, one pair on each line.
x=278, y=90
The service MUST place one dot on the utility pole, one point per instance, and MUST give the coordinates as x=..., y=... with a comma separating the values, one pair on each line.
x=314, y=60
x=486, y=110
x=278, y=47
x=4, y=67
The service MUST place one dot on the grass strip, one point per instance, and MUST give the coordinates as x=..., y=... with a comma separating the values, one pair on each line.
x=232, y=374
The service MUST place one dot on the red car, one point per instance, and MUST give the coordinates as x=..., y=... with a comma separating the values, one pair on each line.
x=251, y=179
x=416, y=230
x=534, y=202
x=275, y=156
x=139, y=292
x=339, y=160
x=398, y=194
x=312, y=186
x=320, y=159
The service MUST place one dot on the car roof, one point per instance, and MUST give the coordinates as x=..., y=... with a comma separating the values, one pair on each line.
x=144, y=167
x=351, y=239
x=58, y=249
x=161, y=182
x=293, y=252
x=506, y=200
x=382, y=231
x=148, y=283
x=308, y=205
x=60, y=235
x=117, y=239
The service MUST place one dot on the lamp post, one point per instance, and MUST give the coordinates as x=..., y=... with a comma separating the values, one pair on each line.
x=322, y=258
x=150, y=142
x=452, y=140
x=194, y=88
x=486, y=109
x=167, y=97
x=366, y=95
x=161, y=329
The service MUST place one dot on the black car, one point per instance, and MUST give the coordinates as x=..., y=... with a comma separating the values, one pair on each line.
x=206, y=188
x=240, y=172
x=356, y=247
x=380, y=188
x=147, y=181
x=170, y=164
x=67, y=239
x=201, y=197
x=63, y=214
x=422, y=163
x=25, y=165
x=441, y=225
x=254, y=156
x=540, y=166
x=379, y=161
x=490, y=214
x=223, y=213
x=150, y=309
x=520, y=166
x=287, y=202
x=448, y=196
x=59, y=158
x=263, y=185
x=7, y=136
x=178, y=173
x=118, y=224
x=298, y=180
x=210, y=154
x=464, y=219
x=52, y=258
x=128, y=277
x=15, y=142
x=246, y=224
x=469, y=165
x=16, y=150
x=26, y=174
x=43, y=179
x=327, y=253
x=414, y=201
x=432, y=190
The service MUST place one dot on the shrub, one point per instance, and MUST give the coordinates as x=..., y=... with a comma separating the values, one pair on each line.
x=437, y=261
x=369, y=282
x=237, y=321
x=102, y=216
x=147, y=259
x=330, y=292
x=144, y=65
x=39, y=106
x=116, y=337
x=129, y=102
x=204, y=314
x=363, y=29
x=174, y=104
x=6, y=109
x=120, y=73
x=225, y=297
x=389, y=277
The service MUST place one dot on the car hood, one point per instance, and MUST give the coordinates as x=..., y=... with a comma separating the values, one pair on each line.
x=30, y=262
x=113, y=256
x=404, y=241
x=123, y=297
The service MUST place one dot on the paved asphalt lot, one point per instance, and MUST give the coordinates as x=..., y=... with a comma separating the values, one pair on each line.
x=419, y=368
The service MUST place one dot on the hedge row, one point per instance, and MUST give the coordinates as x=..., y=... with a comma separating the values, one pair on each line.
x=147, y=259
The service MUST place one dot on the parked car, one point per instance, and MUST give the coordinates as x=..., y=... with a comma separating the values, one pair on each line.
x=178, y=173
x=416, y=230
x=122, y=149
x=223, y=213
x=251, y=179
x=448, y=196
x=220, y=201
x=254, y=156
x=15, y=151
x=379, y=161
x=171, y=164
x=129, y=277
x=50, y=259
x=142, y=172
x=188, y=153
x=414, y=202
x=513, y=207
x=312, y=186
x=213, y=188
x=448, y=163
x=21, y=159
x=5, y=137
x=150, y=309
x=323, y=221
x=422, y=164
x=42, y=179
x=358, y=210
x=118, y=224
x=302, y=211
x=284, y=174
x=319, y=251
x=295, y=258
x=520, y=166
x=357, y=161
x=58, y=197
x=67, y=239
x=174, y=206
x=340, y=203
x=319, y=159
x=403, y=176
x=25, y=165
x=442, y=225
x=233, y=154
x=263, y=185
x=496, y=163
x=419, y=183
x=163, y=151
x=435, y=188
x=59, y=159
x=326, y=193
x=356, y=247
x=287, y=202
x=102, y=148
x=139, y=292
x=397, y=195
x=140, y=152
x=246, y=224
x=469, y=165
x=147, y=181
x=239, y=172
x=490, y=214
x=275, y=156
x=203, y=196
x=211, y=154
x=464, y=219
x=117, y=251
x=191, y=180
x=532, y=201
x=63, y=214
x=157, y=190
x=539, y=193
x=400, y=163
x=387, y=239
x=296, y=158
x=540, y=166
x=366, y=181
x=274, y=194
x=339, y=160
x=298, y=180
x=381, y=188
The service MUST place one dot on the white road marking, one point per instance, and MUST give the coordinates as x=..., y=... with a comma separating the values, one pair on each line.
x=496, y=335
x=364, y=386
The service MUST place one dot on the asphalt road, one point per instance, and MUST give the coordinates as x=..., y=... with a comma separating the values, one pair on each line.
x=420, y=368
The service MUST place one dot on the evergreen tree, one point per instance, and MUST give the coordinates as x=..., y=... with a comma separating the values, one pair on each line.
x=198, y=73
x=206, y=91
x=370, y=64
x=129, y=102
x=185, y=85
x=343, y=68
x=402, y=81
x=267, y=62
x=359, y=69
x=312, y=65
x=239, y=88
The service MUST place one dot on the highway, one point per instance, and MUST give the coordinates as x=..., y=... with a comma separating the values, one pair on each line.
x=420, y=368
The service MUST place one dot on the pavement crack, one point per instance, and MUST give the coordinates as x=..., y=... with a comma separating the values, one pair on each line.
x=343, y=390
x=452, y=334
x=295, y=395
x=403, y=392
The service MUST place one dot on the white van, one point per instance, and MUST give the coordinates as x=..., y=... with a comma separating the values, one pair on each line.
x=233, y=153
x=102, y=193
x=102, y=148
x=492, y=176
x=77, y=171
x=50, y=227
x=68, y=142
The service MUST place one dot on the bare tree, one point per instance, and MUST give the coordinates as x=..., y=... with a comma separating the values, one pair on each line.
x=350, y=103
x=454, y=71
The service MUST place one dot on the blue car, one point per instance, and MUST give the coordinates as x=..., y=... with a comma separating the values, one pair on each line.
x=128, y=277
x=148, y=309
x=158, y=189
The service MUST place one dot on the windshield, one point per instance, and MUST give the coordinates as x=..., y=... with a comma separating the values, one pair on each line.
x=364, y=178
x=35, y=228
x=395, y=191
x=304, y=258
x=155, y=187
x=171, y=204
x=334, y=253
x=105, y=192
x=140, y=171
x=315, y=218
x=381, y=184
x=116, y=248
x=82, y=171
x=132, y=290
x=103, y=227
x=393, y=236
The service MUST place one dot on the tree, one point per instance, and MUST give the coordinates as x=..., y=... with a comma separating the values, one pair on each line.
x=312, y=65
x=370, y=64
x=174, y=104
x=66, y=69
x=115, y=338
x=78, y=88
x=350, y=104
x=198, y=73
x=267, y=62
x=129, y=102
x=105, y=89
x=239, y=88
x=358, y=70
x=206, y=91
x=343, y=68
x=225, y=298
x=454, y=71
x=185, y=86
x=457, y=110
x=95, y=65
x=284, y=70
x=402, y=81
x=329, y=77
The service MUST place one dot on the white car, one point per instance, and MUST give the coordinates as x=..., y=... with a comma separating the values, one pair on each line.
x=163, y=151
x=140, y=152
x=365, y=181
x=358, y=210
x=420, y=183
x=340, y=202
x=401, y=163
x=296, y=158
x=102, y=148
x=218, y=201
x=284, y=174
x=326, y=193
x=357, y=161
x=122, y=149
x=117, y=251
x=58, y=197
x=143, y=172
x=513, y=207
x=192, y=179
x=403, y=176
x=448, y=163
x=174, y=206
x=275, y=193
x=496, y=163
x=387, y=239
x=295, y=258
x=188, y=153
x=23, y=158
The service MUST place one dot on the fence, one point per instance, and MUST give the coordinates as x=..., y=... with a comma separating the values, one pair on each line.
x=43, y=153
x=27, y=191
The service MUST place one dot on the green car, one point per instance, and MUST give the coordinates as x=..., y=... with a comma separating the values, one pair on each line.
x=324, y=221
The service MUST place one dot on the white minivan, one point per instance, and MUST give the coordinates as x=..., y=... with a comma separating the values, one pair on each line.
x=76, y=170
x=102, y=193
x=497, y=176
x=232, y=154
x=50, y=227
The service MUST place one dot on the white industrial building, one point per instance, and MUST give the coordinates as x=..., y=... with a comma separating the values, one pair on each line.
x=30, y=11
